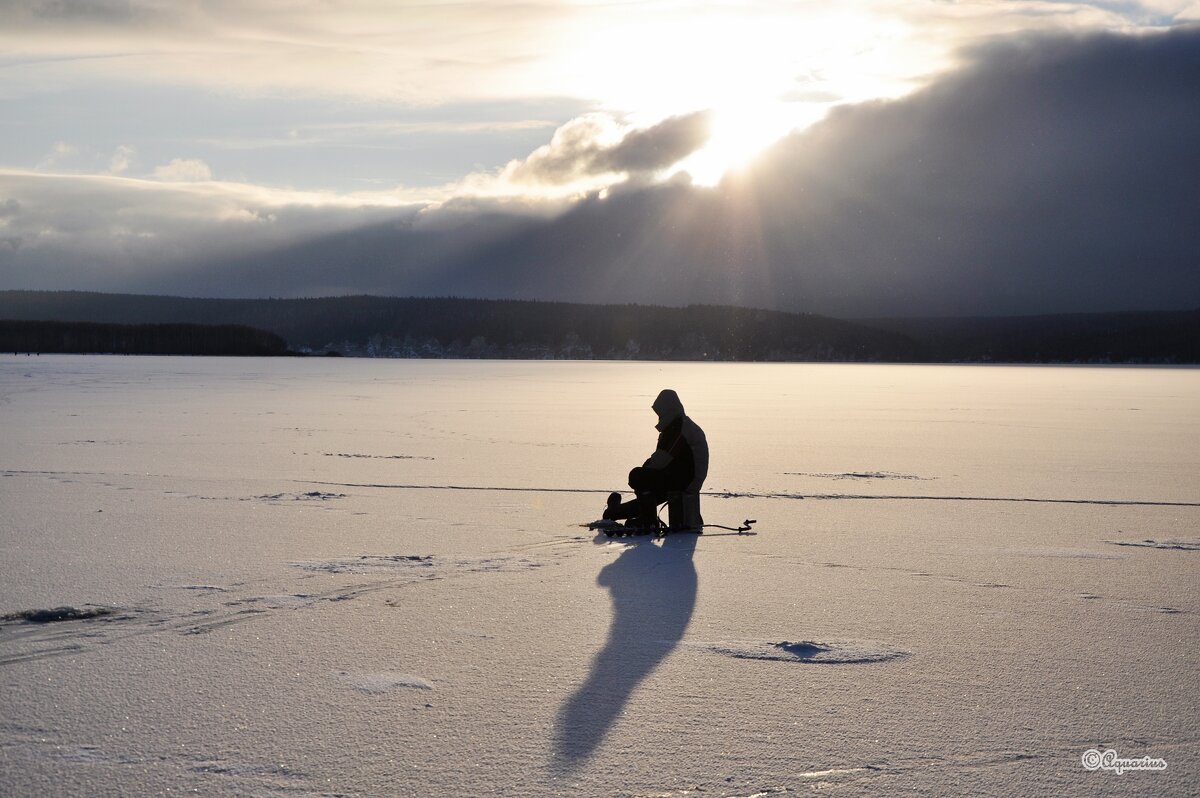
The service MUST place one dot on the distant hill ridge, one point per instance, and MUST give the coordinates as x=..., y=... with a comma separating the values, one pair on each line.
x=454, y=327
x=84, y=337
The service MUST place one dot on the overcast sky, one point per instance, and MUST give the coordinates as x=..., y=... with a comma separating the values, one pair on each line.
x=855, y=158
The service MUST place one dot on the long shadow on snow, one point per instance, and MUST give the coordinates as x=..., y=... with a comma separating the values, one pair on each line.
x=653, y=589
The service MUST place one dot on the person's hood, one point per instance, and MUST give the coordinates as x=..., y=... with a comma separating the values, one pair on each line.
x=668, y=407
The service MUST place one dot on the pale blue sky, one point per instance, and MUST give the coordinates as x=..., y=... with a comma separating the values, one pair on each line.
x=340, y=143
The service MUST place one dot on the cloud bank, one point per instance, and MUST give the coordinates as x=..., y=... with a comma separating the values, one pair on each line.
x=1050, y=173
x=594, y=145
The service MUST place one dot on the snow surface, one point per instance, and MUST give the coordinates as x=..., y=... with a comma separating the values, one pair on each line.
x=349, y=577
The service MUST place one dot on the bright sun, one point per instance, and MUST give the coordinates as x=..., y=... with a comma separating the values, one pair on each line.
x=739, y=134
x=763, y=70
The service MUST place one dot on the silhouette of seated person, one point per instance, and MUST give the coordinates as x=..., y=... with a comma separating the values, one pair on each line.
x=675, y=471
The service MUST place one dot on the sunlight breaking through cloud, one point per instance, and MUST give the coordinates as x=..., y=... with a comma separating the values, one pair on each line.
x=463, y=142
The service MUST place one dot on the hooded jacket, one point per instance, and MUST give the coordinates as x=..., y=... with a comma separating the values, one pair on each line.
x=683, y=441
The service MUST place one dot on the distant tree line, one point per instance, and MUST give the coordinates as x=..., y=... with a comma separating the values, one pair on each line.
x=474, y=328
x=452, y=327
x=137, y=339
x=1166, y=337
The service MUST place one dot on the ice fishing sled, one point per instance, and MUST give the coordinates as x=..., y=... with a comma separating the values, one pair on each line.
x=616, y=529
x=683, y=514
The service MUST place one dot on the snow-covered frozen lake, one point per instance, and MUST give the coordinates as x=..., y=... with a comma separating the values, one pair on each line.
x=322, y=577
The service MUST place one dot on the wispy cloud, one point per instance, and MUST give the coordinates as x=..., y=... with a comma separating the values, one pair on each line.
x=60, y=154
x=183, y=170
x=367, y=133
x=122, y=158
x=441, y=52
x=429, y=52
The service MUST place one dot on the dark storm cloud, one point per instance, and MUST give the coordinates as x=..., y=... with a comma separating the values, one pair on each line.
x=1051, y=173
x=1047, y=174
x=581, y=149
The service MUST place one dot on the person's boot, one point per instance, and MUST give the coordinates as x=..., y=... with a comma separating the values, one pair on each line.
x=614, y=504
x=648, y=509
x=622, y=511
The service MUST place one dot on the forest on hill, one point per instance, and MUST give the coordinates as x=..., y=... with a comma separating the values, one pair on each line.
x=74, y=337
x=373, y=326
x=451, y=327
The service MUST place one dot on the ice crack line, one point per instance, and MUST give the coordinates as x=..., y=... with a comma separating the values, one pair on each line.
x=721, y=494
